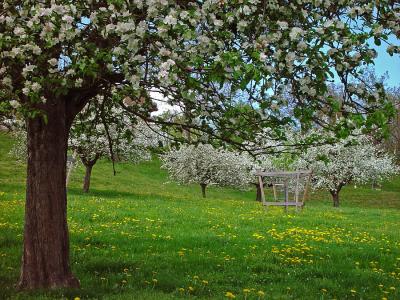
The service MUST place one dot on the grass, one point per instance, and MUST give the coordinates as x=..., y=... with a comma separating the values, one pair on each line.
x=134, y=236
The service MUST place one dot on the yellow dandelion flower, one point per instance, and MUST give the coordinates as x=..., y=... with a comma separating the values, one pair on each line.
x=155, y=280
x=77, y=298
x=181, y=290
x=324, y=290
x=353, y=291
x=246, y=291
x=261, y=293
x=230, y=295
x=392, y=288
x=195, y=277
x=205, y=282
x=191, y=289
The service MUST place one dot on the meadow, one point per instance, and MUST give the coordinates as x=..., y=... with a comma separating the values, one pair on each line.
x=137, y=236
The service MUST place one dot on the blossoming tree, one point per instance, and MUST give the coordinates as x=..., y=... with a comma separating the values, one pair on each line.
x=205, y=165
x=57, y=55
x=114, y=136
x=355, y=160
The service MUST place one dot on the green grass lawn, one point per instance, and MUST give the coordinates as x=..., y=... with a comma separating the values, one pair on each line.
x=135, y=236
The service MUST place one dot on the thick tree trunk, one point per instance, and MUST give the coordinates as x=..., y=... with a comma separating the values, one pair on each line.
x=335, y=198
x=45, y=261
x=203, y=189
x=86, y=180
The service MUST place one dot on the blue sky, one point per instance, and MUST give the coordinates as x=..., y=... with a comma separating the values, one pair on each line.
x=386, y=63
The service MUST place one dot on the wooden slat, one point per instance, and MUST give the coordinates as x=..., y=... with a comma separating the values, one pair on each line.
x=283, y=203
x=283, y=173
x=261, y=183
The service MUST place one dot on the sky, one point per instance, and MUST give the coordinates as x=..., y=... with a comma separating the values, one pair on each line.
x=386, y=63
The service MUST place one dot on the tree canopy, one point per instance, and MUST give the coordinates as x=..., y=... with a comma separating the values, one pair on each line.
x=353, y=160
x=199, y=55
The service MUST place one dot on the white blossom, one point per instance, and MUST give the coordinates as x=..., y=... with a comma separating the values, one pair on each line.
x=355, y=159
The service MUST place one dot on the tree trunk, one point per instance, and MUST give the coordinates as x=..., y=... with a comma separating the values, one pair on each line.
x=86, y=181
x=203, y=189
x=45, y=260
x=335, y=198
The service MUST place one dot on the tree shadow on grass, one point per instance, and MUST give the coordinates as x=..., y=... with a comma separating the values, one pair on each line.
x=193, y=194
x=112, y=194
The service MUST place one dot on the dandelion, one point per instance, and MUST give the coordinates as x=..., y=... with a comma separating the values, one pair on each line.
x=181, y=290
x=205, y=282
x=324, y=290
x=353, y=291
x=246, y=292
x=77, y=298
x=392, y=288
x=191, y=289
x=230, y=295
x=260, y=294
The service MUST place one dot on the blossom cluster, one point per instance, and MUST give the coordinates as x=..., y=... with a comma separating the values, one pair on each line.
x=353, y=160
x=203, y=164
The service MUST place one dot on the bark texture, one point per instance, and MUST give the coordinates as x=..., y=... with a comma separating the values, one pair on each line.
x=45, y=260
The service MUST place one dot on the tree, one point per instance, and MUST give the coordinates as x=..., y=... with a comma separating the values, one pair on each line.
x=57, y=55
x=356, y=160
x=19, y=149
x=392, y=144
x=205, y=165
x=115, y=136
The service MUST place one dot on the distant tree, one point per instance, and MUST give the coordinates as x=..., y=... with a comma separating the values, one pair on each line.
x=356, y=160
x=205, y=165
x=19, y=149
x=115, y=136
x=392, y=144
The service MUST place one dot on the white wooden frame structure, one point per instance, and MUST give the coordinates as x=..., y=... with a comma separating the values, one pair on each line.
x=306, y=174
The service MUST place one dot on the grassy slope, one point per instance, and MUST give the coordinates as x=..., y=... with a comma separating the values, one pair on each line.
x=135, y=237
